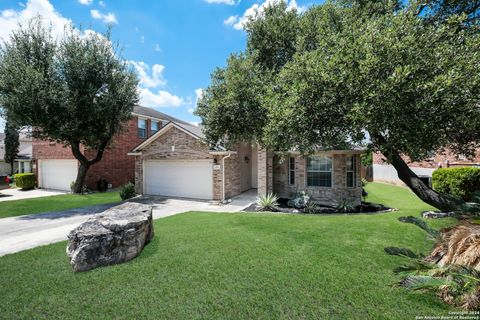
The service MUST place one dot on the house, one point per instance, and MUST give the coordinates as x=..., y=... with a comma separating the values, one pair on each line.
x=23, y=161
x=56, y=167
x=175, y=162
x=384, y=172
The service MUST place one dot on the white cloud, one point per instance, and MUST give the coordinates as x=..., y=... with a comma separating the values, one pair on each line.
x=194, y=123
x=85, y=2
x=257, y=10
x=157, y=48
x=198, y=94
x=10, y=18
x=102, y=4
x=191, y=110
x=229, y=2
x=142, y=39
x=160, y=99
x=108, y=18
x=149, y=78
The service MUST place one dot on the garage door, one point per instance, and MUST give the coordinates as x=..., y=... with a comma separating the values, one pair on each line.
x=57, y=174
x=189, y=179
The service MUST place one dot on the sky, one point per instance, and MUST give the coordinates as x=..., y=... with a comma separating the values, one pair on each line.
x=174, y=45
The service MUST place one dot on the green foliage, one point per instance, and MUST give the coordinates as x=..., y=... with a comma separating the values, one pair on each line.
x=458, y=182
x=267, y=202
x=11, y=144
x=367, y=158
x=76, y=91
x=403, y=252
x=421, y=224
x=299, y=201
x=127, y=191
x=311, y=207
x=344, y=206
x=25, y=181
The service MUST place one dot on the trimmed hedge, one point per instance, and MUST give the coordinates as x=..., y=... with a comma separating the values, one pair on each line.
x=458, y=182
x=25, y=181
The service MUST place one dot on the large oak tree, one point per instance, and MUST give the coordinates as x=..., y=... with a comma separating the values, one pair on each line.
x=76, y=91
x=402, y=77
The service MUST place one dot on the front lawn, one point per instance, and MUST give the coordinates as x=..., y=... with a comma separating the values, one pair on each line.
x=235, y=266
x=15, y=208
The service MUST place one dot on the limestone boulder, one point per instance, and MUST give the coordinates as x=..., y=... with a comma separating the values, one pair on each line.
x=114, y=236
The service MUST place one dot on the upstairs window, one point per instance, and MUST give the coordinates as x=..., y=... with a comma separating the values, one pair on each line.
x=351, y=172
x=142, y=128
x=291, y=170
x=154, y=127
x=319, y=172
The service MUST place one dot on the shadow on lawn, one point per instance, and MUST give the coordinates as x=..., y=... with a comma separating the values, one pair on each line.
x=151, y=200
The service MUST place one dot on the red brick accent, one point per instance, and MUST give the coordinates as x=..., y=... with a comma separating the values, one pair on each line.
x=116, y=166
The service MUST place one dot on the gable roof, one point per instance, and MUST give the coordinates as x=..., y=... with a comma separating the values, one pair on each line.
x=195, y=132
x=152, y=113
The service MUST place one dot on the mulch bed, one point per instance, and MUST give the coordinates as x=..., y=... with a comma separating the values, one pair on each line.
x=363, y=208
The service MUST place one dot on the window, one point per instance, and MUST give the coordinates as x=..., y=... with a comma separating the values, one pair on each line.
x=142, y=128
x=154, y=127
x=351, y=172
x=319, y=172
x=291, y=170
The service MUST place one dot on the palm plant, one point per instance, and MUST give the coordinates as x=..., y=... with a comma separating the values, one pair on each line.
x=267, y=202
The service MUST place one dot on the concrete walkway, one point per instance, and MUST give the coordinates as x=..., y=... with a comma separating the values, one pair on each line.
x=17, y=194
x=30, y=231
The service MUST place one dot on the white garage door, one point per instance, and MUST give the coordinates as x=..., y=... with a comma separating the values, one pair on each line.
x=189, y=179
x=57, y=174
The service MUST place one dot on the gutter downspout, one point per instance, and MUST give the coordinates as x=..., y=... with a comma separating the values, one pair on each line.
x=223, y=175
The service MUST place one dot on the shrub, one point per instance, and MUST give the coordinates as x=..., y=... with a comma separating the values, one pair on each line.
x=25, y=181
x=267, y=202
x=299, y=201
x=311, y=207
x=102, y=185
x=344, y=206
x=128, y=191
x=457, y=182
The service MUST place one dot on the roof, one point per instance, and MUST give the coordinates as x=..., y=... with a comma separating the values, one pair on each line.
x=152, y=113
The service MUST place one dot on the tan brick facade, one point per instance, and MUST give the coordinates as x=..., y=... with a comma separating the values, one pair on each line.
x=328, y=195
x=187, y=147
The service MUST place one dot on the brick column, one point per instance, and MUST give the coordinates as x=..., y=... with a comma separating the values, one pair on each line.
x=265, y=172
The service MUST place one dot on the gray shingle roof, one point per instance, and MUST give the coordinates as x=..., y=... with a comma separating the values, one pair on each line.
x=149, y=112
x=192, y=129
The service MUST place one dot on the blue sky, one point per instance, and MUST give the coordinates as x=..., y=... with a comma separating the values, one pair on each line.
x=173, y=44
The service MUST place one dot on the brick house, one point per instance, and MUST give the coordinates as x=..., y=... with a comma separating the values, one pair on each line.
x=176, y=162
x=56, y=167
x=384, y=172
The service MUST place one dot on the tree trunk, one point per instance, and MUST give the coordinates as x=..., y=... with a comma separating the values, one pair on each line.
x=81, y=175
x=11, y=168
x=84, y=163
x=425, y=193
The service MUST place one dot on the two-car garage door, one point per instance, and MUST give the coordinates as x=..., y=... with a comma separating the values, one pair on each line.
x=189, y=179
x=57, y=174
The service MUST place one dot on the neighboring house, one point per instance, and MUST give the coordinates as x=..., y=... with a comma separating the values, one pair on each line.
x=176, y=162
x=384, y=172
x=56, y=167
x=23, y=162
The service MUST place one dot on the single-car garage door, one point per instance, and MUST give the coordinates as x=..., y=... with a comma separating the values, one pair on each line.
x=189, y=179
x=57, y=173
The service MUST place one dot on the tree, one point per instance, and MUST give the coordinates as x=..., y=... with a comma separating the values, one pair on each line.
x=11, y=144
x=403, y=79
x=76, y=91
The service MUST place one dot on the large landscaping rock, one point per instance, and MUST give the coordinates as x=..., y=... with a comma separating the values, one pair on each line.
x=114, y=236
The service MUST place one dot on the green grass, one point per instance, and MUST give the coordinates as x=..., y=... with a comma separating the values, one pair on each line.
x=236, y=266
x=15, y=208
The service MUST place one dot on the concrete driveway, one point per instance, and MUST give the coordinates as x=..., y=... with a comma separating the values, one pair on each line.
x=29, y=231
x=17, y=194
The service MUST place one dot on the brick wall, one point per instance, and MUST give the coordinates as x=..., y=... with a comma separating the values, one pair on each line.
x=337, y=192
x=116, y=166
x=190, y=148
